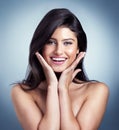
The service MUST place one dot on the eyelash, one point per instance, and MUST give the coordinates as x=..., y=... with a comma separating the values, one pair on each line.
x=51, y=42
x=67, y=43
x=54, y=42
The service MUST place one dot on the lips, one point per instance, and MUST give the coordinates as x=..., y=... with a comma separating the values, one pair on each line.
x=58, y=60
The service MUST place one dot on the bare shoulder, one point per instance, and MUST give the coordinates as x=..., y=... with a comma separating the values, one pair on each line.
x=17, y=91
x=92, y=87
x=97, y=88
x=21, y=94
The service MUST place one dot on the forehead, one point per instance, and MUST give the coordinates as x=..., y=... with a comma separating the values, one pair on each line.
x=64, y=32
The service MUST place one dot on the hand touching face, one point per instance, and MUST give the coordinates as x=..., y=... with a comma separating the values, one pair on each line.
x=69, y=74
x=61, y=49
x=66, y=76
x=49, y=73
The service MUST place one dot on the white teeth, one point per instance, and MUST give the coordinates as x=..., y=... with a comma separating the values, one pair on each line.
x=58, y=59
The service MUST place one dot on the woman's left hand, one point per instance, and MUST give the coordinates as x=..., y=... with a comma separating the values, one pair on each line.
x=68, y=75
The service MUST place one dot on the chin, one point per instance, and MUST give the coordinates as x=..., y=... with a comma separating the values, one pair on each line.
x=58, y=71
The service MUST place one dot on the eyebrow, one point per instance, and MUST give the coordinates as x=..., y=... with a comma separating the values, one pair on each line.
x=66, y=39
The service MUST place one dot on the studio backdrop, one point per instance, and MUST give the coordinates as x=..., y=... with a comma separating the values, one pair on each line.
x=100, y=20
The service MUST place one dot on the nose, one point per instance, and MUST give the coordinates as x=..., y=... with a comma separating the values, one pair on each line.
x=59, y=49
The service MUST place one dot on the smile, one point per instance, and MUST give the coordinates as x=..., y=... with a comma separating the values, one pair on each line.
x=58, y=60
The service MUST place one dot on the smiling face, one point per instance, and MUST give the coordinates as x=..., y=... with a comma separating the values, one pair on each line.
x=61, y=49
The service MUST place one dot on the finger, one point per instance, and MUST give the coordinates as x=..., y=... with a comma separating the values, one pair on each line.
x=79, y=57
x=41, y=59
x=75, y=73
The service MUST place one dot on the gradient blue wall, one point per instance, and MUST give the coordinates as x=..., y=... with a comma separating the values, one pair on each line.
x=100, y=20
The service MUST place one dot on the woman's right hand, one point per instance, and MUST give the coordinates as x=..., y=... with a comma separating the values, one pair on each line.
x=49, y=73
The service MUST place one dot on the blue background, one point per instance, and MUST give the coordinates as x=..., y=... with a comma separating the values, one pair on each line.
x=100, y=20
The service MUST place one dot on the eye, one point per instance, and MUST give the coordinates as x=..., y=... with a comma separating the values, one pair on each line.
x=67, y=43
x=51, y=42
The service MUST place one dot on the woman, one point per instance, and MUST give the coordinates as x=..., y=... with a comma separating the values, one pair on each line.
x=56, y=94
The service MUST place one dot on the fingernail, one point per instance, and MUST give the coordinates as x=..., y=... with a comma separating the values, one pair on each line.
x=37, y=53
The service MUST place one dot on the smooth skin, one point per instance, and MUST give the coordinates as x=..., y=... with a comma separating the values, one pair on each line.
x=61, y=104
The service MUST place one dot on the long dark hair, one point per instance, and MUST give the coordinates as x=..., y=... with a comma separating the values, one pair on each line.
x=52, y=20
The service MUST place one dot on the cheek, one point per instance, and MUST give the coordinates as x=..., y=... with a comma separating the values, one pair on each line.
x=45, y=53
x=72, y=54
x=72, y=51
x=47, y=50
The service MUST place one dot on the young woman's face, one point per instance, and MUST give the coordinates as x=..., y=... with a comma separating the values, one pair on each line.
x=61, y=49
